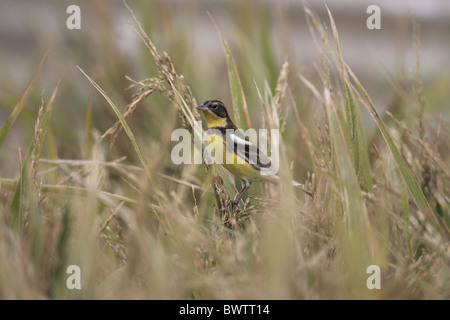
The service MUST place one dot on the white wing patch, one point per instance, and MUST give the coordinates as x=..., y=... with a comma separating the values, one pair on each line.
x=238, y=140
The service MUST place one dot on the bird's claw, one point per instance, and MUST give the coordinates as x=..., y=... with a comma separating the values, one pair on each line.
x=233, y=202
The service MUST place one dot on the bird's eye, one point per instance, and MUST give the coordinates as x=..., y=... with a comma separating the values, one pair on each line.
x=215, y=106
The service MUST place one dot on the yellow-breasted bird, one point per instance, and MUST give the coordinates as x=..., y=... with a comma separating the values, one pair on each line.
x=223, y=132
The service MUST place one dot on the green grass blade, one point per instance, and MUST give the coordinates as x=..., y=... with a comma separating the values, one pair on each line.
x=219, y=226
x=406, y=211
x=125, y=125
x=4, y=131
x=16, y=213
x=226, y=181
x=363, y=152
x=268, y=51
x=411, y=182
x=46, y=117
x=237, y=92
x=20, y=196
x=357, y=141
x=352, y=198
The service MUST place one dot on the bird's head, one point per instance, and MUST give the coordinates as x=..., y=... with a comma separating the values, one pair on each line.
x=215, y=113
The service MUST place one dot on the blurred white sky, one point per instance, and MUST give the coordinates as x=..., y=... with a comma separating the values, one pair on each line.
x=27, y=26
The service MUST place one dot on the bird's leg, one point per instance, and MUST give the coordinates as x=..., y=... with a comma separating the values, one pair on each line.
x=235, y=202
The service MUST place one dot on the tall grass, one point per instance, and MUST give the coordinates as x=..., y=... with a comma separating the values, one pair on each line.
x=140, y=227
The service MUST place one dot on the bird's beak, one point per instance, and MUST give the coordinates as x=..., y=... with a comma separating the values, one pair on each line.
x=202, y=107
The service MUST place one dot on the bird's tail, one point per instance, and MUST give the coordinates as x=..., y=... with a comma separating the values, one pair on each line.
x=275, y=179
x=300, y=186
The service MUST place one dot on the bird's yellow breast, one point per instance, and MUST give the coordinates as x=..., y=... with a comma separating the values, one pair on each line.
x=238, y=166
x=213, y=121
